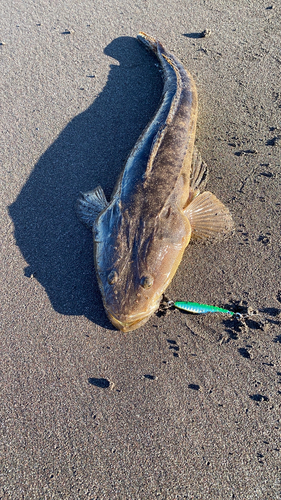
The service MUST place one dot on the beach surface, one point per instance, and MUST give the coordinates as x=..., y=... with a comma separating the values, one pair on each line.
x=186, y=407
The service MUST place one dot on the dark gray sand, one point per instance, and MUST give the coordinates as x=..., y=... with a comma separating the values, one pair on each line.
x=186, y=407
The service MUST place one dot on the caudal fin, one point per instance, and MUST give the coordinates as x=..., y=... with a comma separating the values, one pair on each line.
x=209, y=218
x=148, y=41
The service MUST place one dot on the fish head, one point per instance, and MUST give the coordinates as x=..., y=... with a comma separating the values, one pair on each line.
x=135, y=265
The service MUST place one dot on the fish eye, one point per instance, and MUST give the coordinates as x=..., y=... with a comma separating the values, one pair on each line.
x=112, y=277
x=147, y=281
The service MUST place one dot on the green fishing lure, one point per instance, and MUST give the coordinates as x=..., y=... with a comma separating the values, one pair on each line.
x=194, y=307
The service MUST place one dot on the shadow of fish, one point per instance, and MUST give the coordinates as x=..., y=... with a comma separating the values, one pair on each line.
x=156, y=207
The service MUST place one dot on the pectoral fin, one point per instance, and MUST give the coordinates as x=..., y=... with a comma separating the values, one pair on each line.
x=90, y=205
x=208, y=217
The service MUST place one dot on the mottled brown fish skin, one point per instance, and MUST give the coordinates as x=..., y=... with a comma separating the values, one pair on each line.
x=142, y=235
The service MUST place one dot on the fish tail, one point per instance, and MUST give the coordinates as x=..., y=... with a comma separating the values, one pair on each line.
x=148, y=41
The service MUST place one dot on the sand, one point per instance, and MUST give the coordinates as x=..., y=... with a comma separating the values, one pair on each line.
x=186, y=407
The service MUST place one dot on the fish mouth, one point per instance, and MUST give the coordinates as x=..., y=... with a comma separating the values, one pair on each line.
x=129, y=324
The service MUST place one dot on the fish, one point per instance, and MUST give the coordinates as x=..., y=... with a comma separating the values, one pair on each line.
x=157, y=205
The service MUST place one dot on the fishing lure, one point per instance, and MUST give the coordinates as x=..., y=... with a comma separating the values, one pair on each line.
x=196, y=308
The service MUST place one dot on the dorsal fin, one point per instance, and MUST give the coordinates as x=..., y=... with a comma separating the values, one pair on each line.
x=158, y=139
x=199, y=172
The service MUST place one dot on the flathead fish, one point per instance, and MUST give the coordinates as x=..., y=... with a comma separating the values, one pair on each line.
x=156, y=208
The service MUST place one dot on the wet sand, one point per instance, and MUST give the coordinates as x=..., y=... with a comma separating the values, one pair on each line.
x=186, y=407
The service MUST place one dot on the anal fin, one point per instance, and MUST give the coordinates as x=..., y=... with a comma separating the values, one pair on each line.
x=209, y=217
x=90, y=205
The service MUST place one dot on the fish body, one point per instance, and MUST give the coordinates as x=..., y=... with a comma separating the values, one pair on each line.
x=156, y=207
